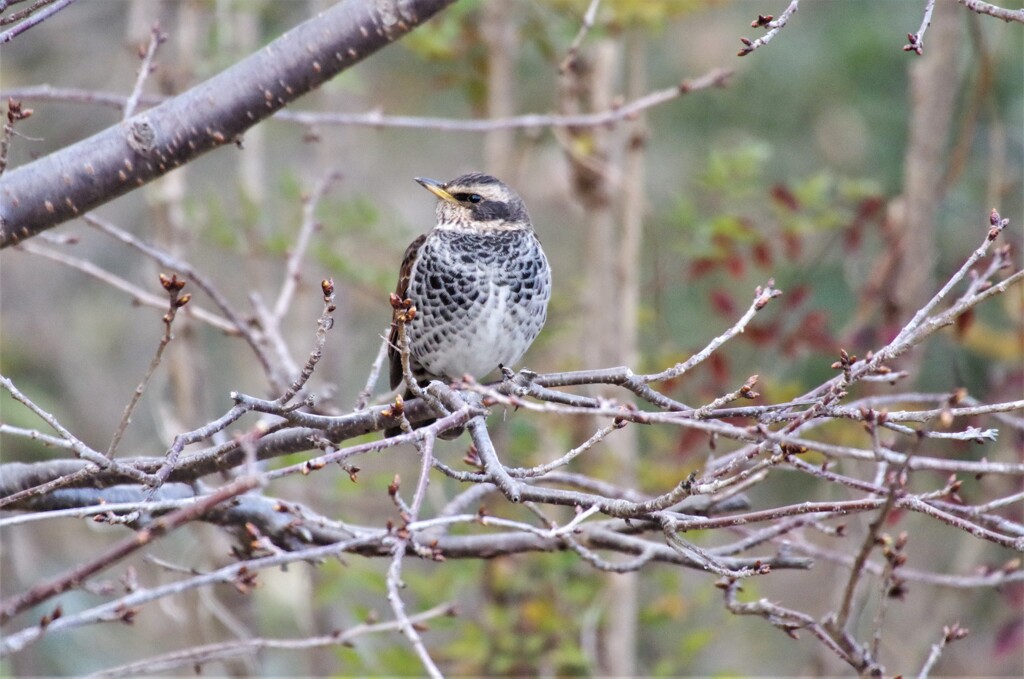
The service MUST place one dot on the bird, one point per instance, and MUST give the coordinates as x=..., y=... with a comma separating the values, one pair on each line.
x=479, y=281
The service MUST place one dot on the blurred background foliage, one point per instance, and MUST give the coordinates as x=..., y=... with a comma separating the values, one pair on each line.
x=790, y=172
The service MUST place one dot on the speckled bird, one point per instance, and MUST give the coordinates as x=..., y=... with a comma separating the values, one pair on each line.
x=479, y=281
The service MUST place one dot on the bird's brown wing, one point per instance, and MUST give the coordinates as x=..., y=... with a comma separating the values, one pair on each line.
x=394, y=355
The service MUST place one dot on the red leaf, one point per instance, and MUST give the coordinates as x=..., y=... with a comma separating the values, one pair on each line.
x=894, y=516
x=760, y=334
x=702, y=267
x=690, y=441
x=719, y=370
x=796, y=296
x=793, y=245
x=1013, y=593
x=736, y=266
x=784, y=197
x=762, y=254
x=870, y=208
x=1010, y=637
x=725, y=243
x=853, y=235
x=814, y=329
x=963, y=323
x=723, y=303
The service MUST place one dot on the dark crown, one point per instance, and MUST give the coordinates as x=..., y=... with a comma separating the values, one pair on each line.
x=486, y=200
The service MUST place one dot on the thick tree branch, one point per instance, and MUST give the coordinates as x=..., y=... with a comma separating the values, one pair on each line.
x=76, y=179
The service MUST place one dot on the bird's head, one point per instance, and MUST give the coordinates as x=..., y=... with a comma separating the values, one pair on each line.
x=477, y=202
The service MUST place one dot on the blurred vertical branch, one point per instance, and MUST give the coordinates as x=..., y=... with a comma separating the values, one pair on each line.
x=181, y=404
x=499, y=34
x=606, y=172
x=623, y=625
x=182, y=401
x=931, y=102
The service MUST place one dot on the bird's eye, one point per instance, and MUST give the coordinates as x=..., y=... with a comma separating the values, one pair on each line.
x=468, y=197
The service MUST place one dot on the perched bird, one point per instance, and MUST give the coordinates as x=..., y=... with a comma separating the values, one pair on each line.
x=479, y=282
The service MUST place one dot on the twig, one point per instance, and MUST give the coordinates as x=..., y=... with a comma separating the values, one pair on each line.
x=371, y=380
x=20, y=14
x=997, y=224
x=837, y=623
x=69, y=480
x=80, y=449
x=197, y=656
x=95, y=510
x=73, y=95
x=324, y=323
x=492, y=465
x=235, y=325
x=425, y=445
x=15, y=113
x=156, y=38
x=773, y=25
x=137, y=294
x=35, y=19
x=568, y=528
x=309, y=226
x=950, y=634
x=118, y=608
x=761, y=298
x=36, y=435
x=889, y=586
x=707, y=560
x=916, y=40
x=280, y=364
x=542, y=470
x=998, y=578
x=170, y=460
x=746, y=391
x=789, y=621
x=408, y=629
x=714, y=78
x=157, y=529
x=982, y=7
x=588, y=22
x=405, y=313
x=426, y=450
x=173, y=286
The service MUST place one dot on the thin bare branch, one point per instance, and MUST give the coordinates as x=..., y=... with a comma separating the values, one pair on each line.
x=982, y=7
x=371, y=380
x=44, y=591
x=137, y=294
x=173, y=286
x=627, y=111
x=916, y=40
x=589, y=17
x=80, y=449
x=197, y=656
x=33, y=18
x=309, y=226
x=156, y=38
x=714, y=78
x=772, y=25
x=15, y=113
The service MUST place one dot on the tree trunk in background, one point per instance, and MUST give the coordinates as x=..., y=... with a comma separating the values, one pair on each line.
x=179, y=397
x=176, y=395
x=621, y=627
x=606, y=170
x=499, y=34
x=932, y=100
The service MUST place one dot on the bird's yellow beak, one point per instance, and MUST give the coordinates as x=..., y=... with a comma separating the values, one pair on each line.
x=436, y=188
